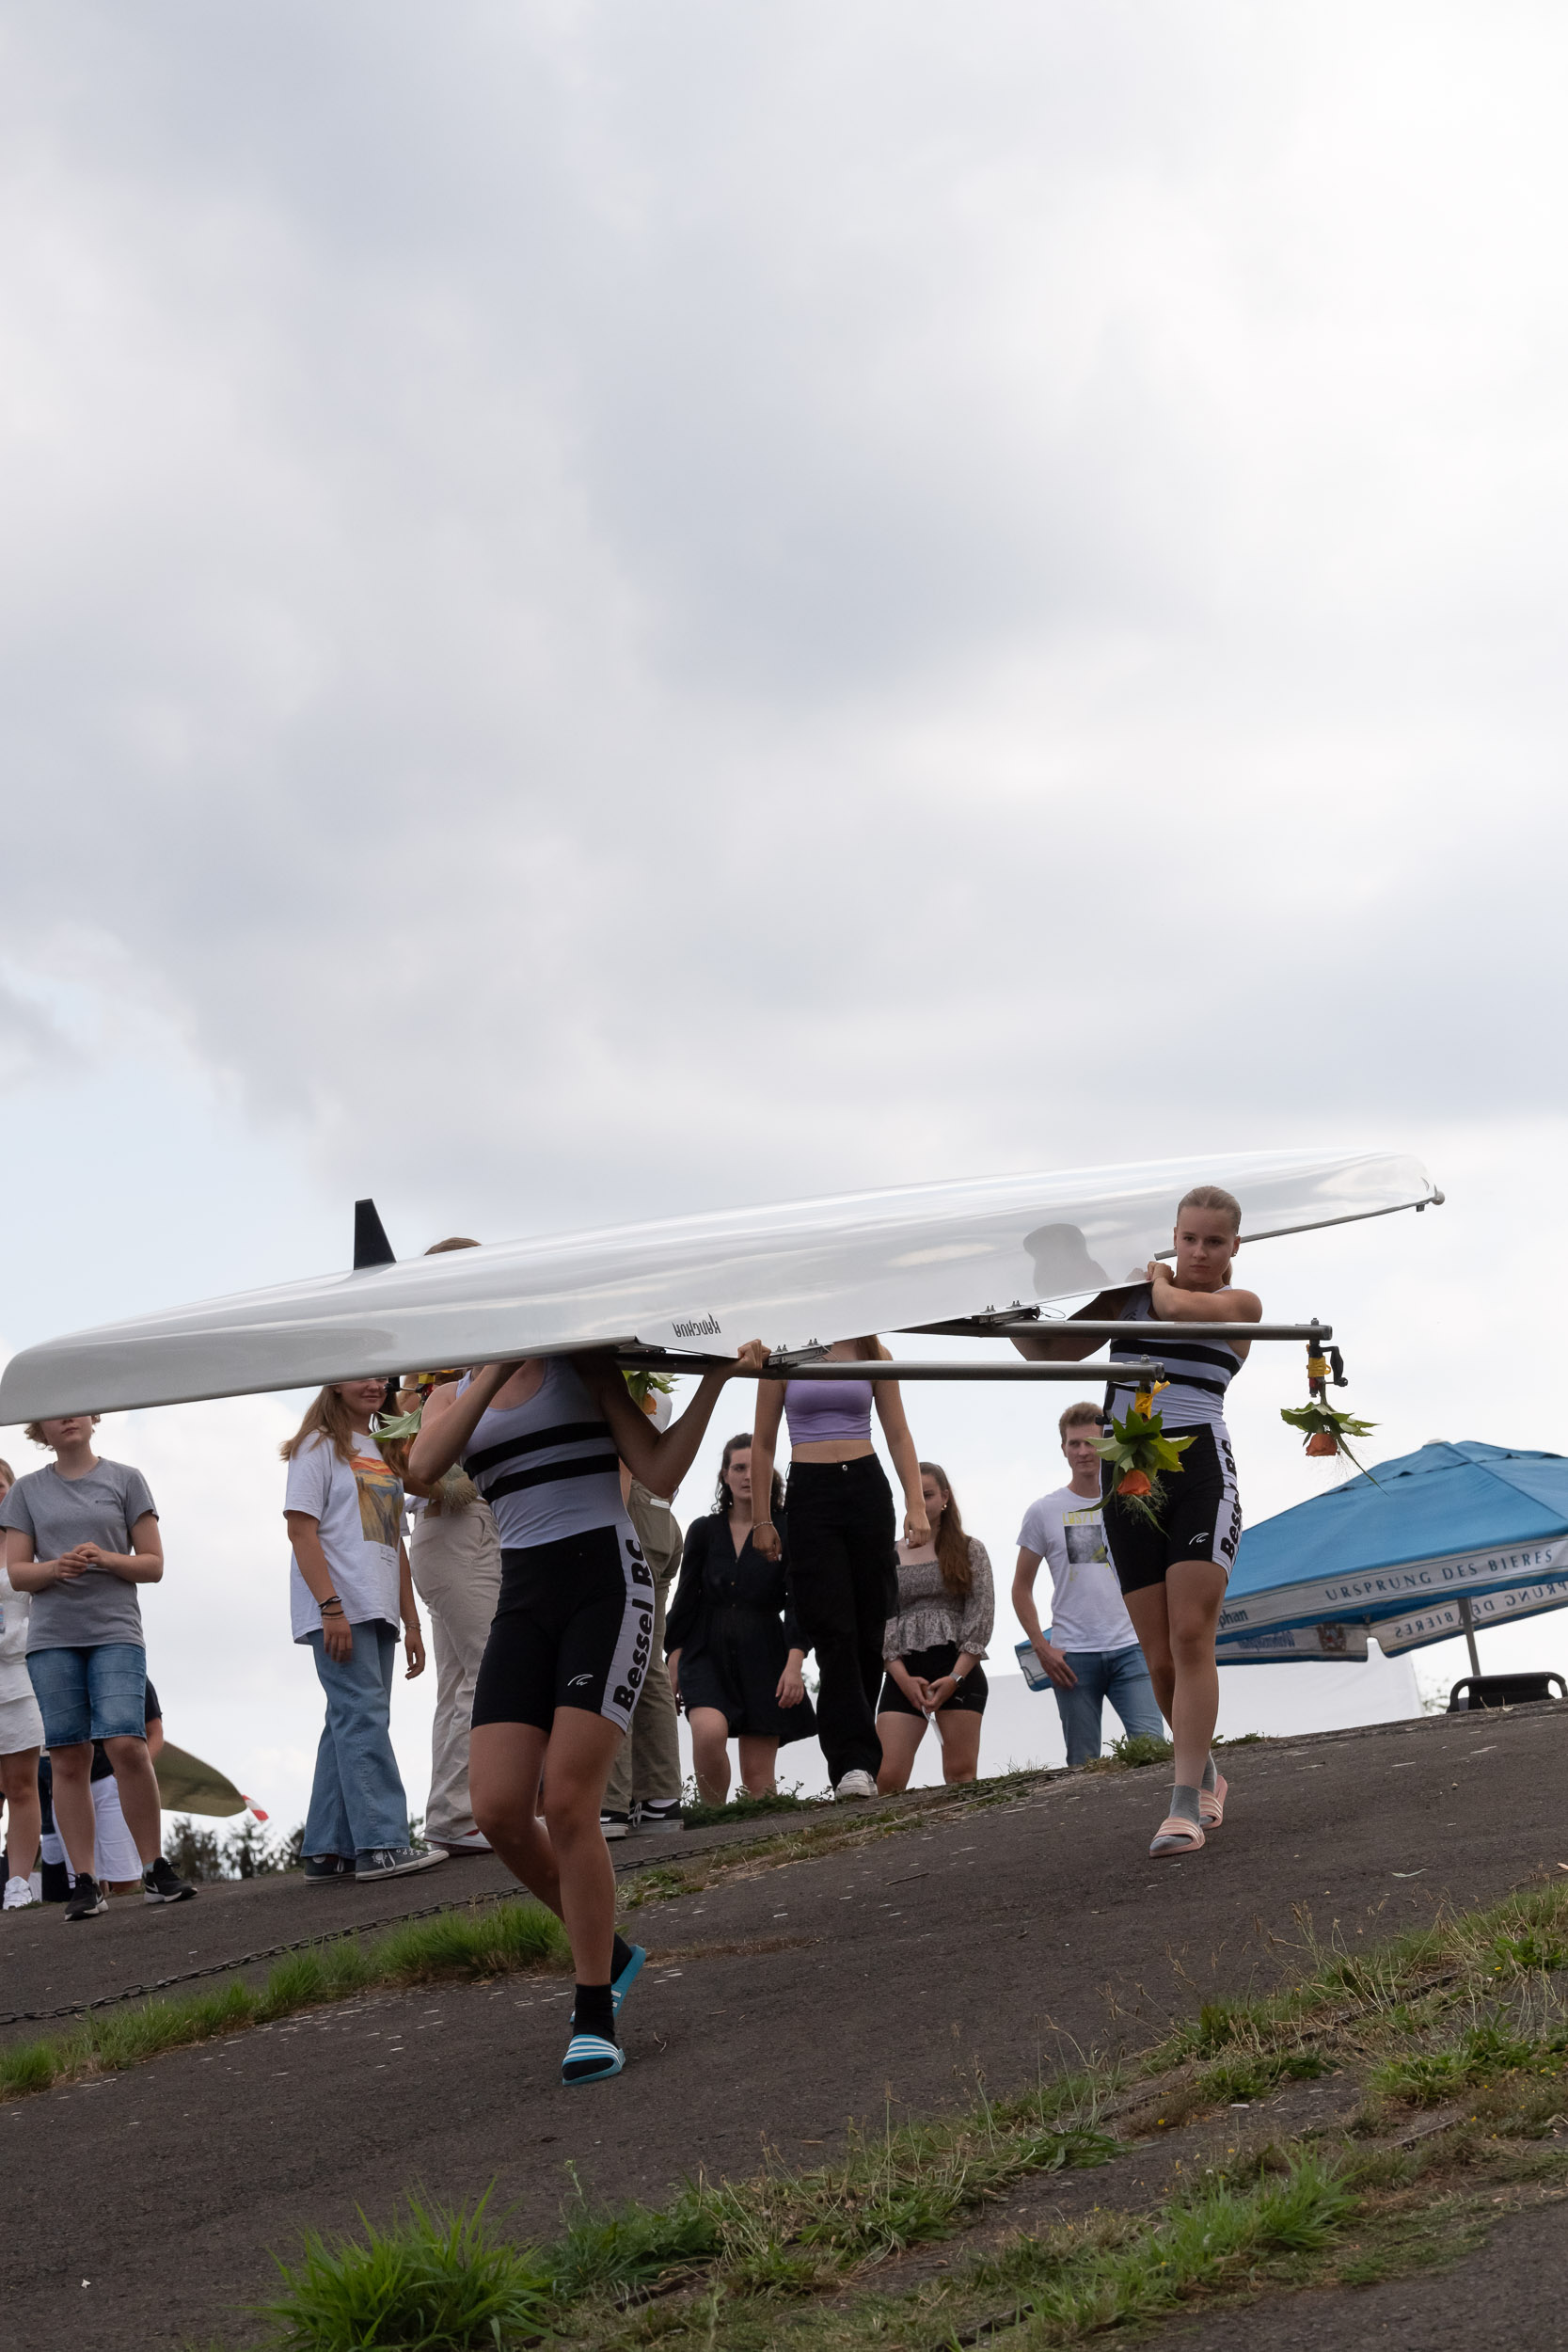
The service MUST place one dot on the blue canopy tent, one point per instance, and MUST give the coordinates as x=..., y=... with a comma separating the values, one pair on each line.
x=1446, y=1540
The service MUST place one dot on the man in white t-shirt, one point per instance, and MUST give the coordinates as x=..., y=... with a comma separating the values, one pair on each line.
x=1091, y=1652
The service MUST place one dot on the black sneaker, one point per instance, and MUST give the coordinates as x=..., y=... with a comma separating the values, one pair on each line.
x=87, y=1899
x=328, y=1869
x=615, y=1825
x=391, y=1861
x=160, y=1886
x=659, y=1813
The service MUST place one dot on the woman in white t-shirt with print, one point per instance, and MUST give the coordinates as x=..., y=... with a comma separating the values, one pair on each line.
x=1091, y=1652
x=349, y=1586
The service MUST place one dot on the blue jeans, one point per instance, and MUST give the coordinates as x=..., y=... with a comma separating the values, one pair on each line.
x=1117, y=1675
x=357, y=1800
x=95, y=1693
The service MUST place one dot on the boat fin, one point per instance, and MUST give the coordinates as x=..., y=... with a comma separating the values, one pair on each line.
x=371, y=1244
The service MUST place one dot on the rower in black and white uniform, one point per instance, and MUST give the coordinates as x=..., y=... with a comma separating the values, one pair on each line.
x=544, y=1441
x=574, y=1623
x=1173, y=1570
x=1201, y=1519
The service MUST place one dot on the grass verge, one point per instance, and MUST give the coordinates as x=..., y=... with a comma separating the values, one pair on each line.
x=432, y=2281
x=1136, y=1749
x=741, y=1807
x=1122, y=2270
x=470, y=1945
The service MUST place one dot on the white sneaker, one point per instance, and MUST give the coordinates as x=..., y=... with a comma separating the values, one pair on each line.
x=19, y=1896
x=856, y=1785
x=389, y=1862
x=474, y=1842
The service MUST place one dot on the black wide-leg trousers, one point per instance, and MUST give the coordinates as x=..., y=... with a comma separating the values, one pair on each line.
x=843, y=1577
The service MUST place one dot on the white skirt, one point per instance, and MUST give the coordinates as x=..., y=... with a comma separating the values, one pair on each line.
x=20, y=1724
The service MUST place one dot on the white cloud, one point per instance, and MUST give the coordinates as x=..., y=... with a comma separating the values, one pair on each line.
x=781, y=519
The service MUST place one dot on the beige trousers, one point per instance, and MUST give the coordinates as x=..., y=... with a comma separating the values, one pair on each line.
x=456, y=1565
x=648, y=1760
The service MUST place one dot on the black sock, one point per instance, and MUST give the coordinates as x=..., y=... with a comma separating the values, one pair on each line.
x=593, y=2011
x=620, y=1957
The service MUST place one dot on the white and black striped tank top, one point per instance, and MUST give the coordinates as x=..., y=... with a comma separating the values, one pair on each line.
x=547, y=1469
x=1199, y=1371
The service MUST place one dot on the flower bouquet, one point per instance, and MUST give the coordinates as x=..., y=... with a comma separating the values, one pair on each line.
x=1142, y=1457
x=1326, y=1430
x=641, y=1383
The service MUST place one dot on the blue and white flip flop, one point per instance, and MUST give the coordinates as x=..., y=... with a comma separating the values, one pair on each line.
x=590, y=2059
x=621, y=1985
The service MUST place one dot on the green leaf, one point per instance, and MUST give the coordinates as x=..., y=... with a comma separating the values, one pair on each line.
x=394, y=1425
x=1325, y=1419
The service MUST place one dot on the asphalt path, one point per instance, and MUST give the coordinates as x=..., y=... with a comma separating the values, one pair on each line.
x=780, y=2006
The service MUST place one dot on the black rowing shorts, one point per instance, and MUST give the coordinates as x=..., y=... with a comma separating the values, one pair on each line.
x=574, y=1626
x=929, y=1665
x=1200, y=1519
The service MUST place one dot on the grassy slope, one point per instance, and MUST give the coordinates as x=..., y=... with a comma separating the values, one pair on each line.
x=1454, y=2038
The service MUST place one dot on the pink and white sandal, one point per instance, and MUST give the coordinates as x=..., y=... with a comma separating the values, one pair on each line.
x=1176, y=1836
x=1211, y=1802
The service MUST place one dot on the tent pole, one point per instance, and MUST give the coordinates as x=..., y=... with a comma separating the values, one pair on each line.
x=1468, y=1619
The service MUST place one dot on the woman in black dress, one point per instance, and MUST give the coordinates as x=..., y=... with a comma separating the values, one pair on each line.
x=733, y=1647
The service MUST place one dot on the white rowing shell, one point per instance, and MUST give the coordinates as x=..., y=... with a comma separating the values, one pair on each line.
x=803, y=1273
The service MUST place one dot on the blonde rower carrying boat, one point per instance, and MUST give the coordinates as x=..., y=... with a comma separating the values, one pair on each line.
x=1173, y=1569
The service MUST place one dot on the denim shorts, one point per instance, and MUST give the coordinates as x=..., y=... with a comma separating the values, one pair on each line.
x=98, y=1693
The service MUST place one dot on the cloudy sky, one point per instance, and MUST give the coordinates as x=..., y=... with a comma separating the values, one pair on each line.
x=612, y=611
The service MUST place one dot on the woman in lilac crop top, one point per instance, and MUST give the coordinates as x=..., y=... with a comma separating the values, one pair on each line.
x=828, y=1412
x=843, y=1541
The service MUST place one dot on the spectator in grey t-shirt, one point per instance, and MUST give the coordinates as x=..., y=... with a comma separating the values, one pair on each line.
x=80, y=1537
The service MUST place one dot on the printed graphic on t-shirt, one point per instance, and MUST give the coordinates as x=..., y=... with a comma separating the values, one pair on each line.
x=1085, y=1534
x=380, y=1501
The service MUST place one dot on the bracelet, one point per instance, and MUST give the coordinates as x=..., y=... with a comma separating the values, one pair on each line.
x=330, y=1602
x=757, y=1523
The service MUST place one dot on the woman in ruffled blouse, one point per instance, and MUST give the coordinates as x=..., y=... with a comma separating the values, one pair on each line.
x=934, y=1646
